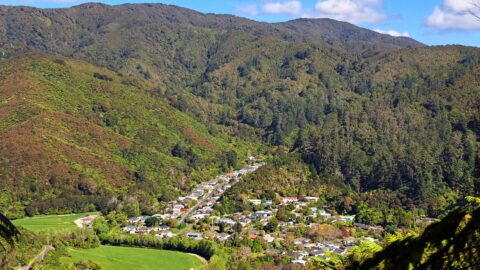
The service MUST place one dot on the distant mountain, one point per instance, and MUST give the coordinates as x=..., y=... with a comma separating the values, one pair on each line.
x=74, y=30
x=347, y=36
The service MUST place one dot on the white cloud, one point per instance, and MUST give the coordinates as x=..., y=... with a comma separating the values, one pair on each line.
x=354, y=11
x=250, y=10
x=289, y=7
x=458, y=5
x=454, y=15
x=393, y=33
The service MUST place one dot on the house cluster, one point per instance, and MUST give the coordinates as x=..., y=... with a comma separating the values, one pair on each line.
x=198, y=205
x=197, y=210
x=251, y=224
x=307, y=249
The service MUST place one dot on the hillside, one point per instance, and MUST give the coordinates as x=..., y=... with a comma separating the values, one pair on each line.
x=73, y=135
x=401, y=131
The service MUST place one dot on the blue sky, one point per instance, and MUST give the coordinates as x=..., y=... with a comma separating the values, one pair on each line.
x=434, y=22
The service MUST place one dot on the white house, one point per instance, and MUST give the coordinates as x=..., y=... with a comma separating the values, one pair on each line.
x=287, y=200
x=255, y=201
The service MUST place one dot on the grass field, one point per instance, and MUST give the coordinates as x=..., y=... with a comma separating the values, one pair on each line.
x=50, y=222
x=127, y=258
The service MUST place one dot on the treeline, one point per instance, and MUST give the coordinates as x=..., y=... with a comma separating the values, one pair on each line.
x=203, y=248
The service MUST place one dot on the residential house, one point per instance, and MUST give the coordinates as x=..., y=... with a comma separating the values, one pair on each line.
x=200, y=216
x=255, y=201
x=311, y=199
x=194, y=235
x=261, y=215
x=223, y=236
x=345, y=218
x=268, y=238
x=300, y=262
x=287, y=200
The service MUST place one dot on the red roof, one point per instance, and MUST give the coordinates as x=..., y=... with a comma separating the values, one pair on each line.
x=252, y=236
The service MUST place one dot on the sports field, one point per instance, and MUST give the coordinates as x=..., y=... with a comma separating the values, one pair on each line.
x=50, y=222
x=128, y=258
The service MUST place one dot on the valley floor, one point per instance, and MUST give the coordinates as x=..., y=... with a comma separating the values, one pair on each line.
x=50, y=223
x=126, y=258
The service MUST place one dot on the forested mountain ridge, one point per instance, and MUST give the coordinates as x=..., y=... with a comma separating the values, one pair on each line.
x=88, y=22
x=400, y=130
x=366, y=112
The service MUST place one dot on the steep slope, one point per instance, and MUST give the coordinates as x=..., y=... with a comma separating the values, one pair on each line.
x=71, y=130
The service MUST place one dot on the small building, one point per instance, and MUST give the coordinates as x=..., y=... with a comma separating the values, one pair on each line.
x=262, y=215
x=165, y=234
x=136, y=220
x=194, y=235
x=164, y=228
x=205, y=210
x=255, y=201
x=301, y=241
x=350, y=241
x=287, y=200
x=300, y=262
x=177, y=208
x=200, y=216
x=130, y=229
x=346, y=218
x=223, y=236
x=317, y=253
x=268, y=238
x=227, y=221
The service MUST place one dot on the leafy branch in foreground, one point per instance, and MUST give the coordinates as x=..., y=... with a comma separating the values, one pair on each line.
x=8, y=231
x=476, y=9
x=8, y=234
x=452, y=243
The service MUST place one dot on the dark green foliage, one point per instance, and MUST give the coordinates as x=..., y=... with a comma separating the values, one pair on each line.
x=8, y=234
x=272, y=225
x=8, y=231
x=152, y=222
x=87, y=265
x=231, y=158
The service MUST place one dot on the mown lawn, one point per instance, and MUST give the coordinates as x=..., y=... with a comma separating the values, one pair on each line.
x=49, y=222
x=128, y=258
